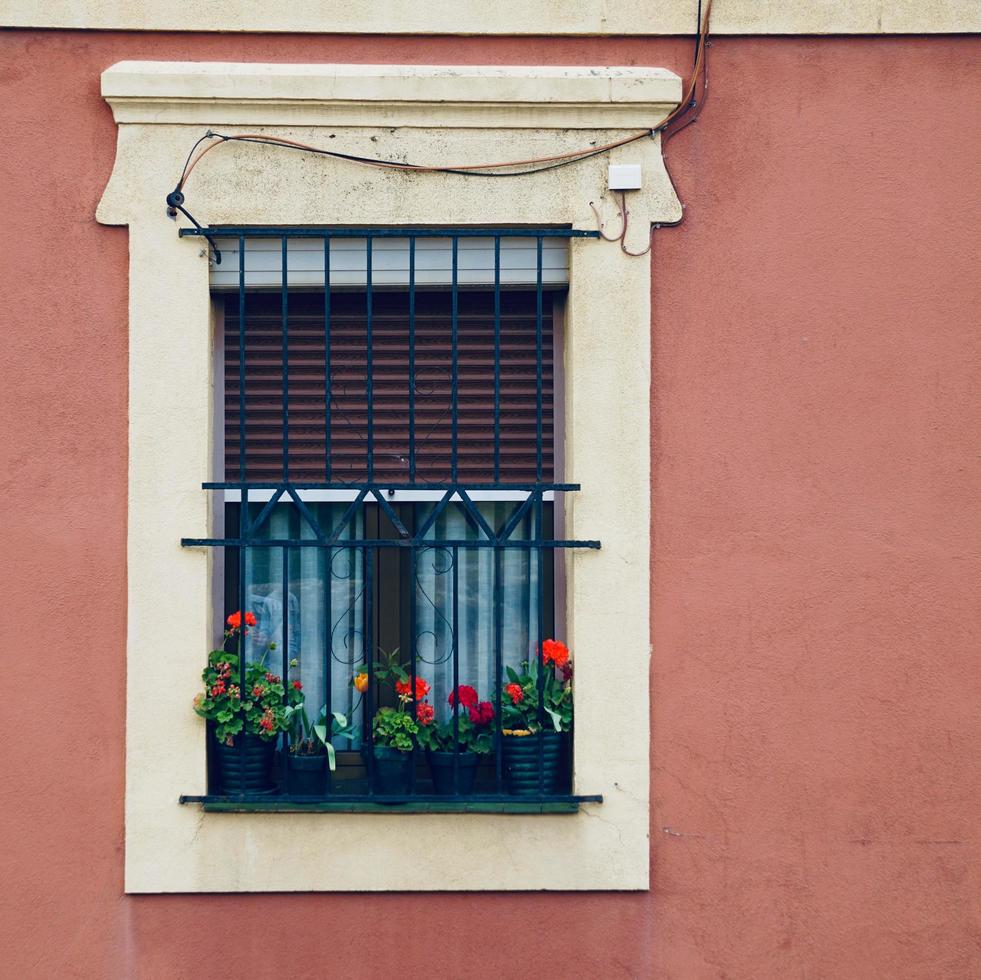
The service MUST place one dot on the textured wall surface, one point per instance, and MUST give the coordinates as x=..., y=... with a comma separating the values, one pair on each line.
x=815, y=624
x=600, y=17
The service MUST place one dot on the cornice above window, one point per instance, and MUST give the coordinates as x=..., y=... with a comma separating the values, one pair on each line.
x=444, y=96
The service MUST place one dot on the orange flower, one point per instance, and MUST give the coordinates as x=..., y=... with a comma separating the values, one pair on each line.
x=555, y=652
x=402, y=688
x=361, y=682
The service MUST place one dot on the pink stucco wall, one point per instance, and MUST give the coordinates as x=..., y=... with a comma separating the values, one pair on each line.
x=816, y=536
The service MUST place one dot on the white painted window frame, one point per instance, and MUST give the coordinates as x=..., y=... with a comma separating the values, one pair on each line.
x=160, y=109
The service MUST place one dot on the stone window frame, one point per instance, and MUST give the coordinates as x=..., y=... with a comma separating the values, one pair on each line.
x=420, y=114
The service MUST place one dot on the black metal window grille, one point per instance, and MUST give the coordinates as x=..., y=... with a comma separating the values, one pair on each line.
x=469, y=447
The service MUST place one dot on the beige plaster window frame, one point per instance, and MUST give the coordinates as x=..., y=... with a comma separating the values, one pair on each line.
x=420, y=114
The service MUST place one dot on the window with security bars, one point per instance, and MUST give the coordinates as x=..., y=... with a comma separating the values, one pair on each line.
x=391, y=503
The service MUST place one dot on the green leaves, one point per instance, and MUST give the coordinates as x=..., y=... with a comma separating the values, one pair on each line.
x=548, y=687
x=396, y=729
x=258, y=707
x=321, y=732
x=556, y=718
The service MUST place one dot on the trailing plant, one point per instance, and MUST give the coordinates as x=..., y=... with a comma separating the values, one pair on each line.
x=474, y=731
x=261, y=709
x=553, y=677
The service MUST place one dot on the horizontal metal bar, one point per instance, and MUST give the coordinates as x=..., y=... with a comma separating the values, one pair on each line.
x=265, y=231
x=339, y=800
x=449, y=805
x=376, y=543
x=392, y=496
x=382, y=487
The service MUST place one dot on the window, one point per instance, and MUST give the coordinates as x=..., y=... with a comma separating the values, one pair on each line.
x=392, y=501
x=602, y=596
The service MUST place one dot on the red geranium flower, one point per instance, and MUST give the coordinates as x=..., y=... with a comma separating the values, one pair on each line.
x=258, y=691
x=297, y=686
x=515, y=693
x=466, y=694
x=402, y=688
x=235, y=620
x=555, y=652
x=482, y=713
x=425, y=713
x=218, y=689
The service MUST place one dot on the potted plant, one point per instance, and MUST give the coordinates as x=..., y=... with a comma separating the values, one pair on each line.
x=474, y=736
x=532, y=748
x=254, y=716
x=393, y=729
x=310, y=752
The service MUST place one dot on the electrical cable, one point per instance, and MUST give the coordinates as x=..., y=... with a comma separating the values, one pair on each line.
x=688, y=109
x=601, y=226
x=474, y=169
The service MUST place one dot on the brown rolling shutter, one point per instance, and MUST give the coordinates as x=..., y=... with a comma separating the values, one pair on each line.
x=347, y=439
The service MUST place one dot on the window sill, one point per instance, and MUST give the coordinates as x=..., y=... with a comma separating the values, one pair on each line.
x=218, y=804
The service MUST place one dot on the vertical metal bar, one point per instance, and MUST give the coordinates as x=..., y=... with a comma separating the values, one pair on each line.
x=328, y=659
x=497, y=358
x=498, y=665
x=241, y=359
x=456, y=672
x=539, y=527
x=243, y=507
x=369, y=366
x=286, y=361
x=540, y=590
x=286, y=657
x=412, y=648
x=328, y=554
x=538, y=366
x=284, y=300
x=454, y=356
x=412, y=362
x=327, y=392
x=368, y=565
x=242, y=756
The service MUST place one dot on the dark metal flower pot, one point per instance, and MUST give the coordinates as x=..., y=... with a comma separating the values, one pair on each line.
x=306, y=775
x=441, y=768
x=527, y=773
x=255, y=776
x=393, y=771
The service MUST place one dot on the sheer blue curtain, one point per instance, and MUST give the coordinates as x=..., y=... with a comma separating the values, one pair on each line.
x=432, y=588
x=326, y=606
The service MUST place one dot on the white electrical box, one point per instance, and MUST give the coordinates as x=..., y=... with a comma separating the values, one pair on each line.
x=624, y=177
